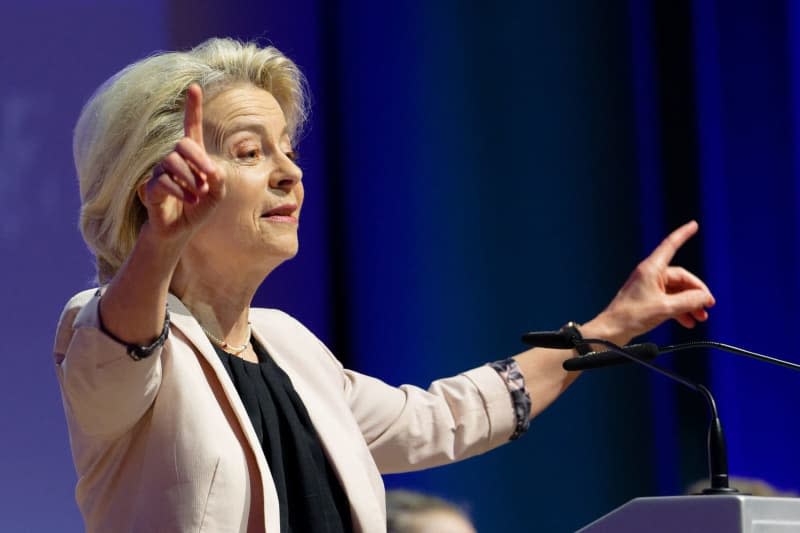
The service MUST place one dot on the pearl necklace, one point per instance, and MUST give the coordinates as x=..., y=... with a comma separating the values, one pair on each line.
x=233, y=350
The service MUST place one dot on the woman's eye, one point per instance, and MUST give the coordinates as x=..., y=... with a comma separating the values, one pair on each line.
x=293, y=155
x=250, y=153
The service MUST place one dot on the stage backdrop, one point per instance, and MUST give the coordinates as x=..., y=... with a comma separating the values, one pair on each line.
x=472, y=172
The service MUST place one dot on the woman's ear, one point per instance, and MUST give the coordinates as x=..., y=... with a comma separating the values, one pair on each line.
x=140, y=190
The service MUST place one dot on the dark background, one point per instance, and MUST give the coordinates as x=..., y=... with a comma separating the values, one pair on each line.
x=473, y=171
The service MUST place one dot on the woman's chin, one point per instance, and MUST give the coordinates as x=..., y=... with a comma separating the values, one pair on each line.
x=281, y=249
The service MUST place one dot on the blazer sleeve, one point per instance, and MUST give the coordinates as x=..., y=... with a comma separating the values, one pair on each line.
x=105, y=391
x=408, y=428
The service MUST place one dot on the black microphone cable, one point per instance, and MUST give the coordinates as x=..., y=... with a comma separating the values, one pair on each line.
x=650, y=351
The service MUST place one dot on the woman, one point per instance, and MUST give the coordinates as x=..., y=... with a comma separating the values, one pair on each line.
x=188, y=410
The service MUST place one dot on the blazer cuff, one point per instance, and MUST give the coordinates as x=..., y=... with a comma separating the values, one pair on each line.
x=496, y=401
x=508, y=369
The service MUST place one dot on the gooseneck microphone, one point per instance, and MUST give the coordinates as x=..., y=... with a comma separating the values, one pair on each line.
x=560, y=340
x=717, y=455
x=647, y=351
x=650, y=351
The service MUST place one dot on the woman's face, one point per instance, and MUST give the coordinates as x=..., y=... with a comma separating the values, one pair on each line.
x=245, y=133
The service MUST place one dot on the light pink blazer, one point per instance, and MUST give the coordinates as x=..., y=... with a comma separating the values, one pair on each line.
x=165, y=444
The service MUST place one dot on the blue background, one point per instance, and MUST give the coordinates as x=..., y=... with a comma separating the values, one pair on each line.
x=472, y=172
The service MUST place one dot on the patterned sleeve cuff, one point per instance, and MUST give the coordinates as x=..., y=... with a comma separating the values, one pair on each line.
x=520, y=399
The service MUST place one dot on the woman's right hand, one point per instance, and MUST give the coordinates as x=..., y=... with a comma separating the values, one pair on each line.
x=181, y=193
x=186, y=185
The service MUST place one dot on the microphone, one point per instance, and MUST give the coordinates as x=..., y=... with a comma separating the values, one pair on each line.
x=647, y=351
x=558, y=340
x=650, y=351
x=717, y=455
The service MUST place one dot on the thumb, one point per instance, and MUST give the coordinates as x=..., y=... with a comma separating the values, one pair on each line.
x=688, y=301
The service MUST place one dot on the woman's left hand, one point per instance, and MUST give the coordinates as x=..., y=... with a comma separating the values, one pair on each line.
x=653, y=293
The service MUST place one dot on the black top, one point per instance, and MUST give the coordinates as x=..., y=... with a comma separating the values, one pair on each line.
x=309, y=493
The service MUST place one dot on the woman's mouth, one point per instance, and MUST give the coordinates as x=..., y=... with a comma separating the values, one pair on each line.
x=283, y=213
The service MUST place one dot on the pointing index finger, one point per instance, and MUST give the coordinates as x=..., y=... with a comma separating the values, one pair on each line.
x=193, y=114
x=665, y=251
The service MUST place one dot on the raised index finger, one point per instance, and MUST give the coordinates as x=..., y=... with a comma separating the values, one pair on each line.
x=665, y=251
x=193, y=114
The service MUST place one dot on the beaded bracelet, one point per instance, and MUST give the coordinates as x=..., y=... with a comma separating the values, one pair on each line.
x=136, y=351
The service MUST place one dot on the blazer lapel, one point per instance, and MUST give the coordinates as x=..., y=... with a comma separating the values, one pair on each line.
x=183, y=320
x=328, y=422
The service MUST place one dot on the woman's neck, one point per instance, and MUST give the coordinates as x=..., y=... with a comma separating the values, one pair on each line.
x=218, y=299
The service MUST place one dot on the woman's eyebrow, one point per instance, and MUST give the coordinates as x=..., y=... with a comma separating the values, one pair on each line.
x=220, y=132
x=251, y=125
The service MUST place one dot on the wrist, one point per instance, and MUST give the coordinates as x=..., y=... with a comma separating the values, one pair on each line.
x=152, y=262
x=604, y=327
x=573, y=331
x=166, y=245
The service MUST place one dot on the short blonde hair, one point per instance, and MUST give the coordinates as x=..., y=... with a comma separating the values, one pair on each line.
x=135, y=119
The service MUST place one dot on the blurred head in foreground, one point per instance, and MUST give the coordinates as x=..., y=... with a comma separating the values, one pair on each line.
x=413, y=512
x=751, y=486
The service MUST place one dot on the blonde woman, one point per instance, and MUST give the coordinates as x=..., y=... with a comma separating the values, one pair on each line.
x=188, y=410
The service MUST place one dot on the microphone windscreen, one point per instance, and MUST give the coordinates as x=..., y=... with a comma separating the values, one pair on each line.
x=646, y=351
x=559, y=340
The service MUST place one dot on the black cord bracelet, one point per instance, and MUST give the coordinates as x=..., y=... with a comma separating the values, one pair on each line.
x=140, y=352
x=136, y=351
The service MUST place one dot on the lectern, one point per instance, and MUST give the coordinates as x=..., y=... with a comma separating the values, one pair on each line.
x=725, y=513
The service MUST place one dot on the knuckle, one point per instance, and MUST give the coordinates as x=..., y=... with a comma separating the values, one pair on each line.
x=163, y=181
x=642, y=269
x=185, y=145
x=173, y=159
x=167, y=165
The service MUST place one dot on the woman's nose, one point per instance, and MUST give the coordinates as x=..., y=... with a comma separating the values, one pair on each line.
x=286, y=176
